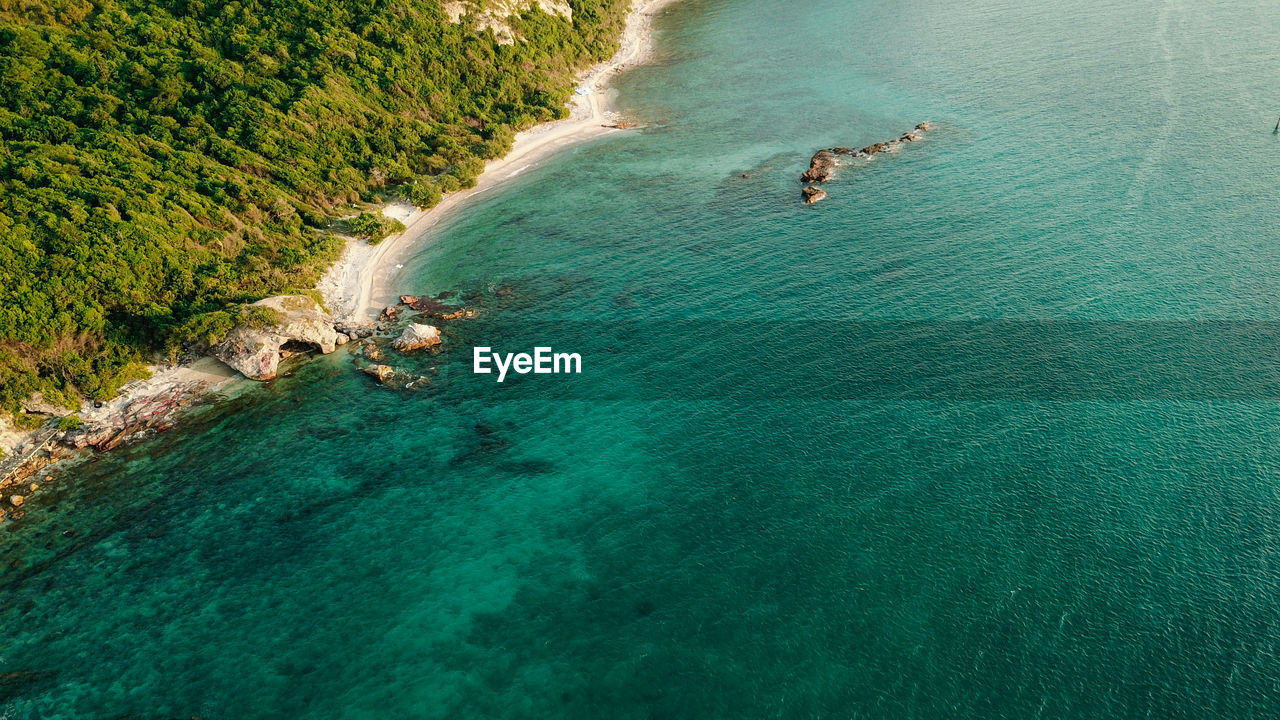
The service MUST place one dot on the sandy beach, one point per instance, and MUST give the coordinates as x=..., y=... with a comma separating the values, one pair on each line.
x=362, y=281
x=359, y=283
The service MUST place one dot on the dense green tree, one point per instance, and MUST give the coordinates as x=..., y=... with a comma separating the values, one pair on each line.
x=163, y=162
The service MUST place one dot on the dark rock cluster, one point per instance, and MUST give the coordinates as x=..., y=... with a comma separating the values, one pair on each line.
x=822, y=166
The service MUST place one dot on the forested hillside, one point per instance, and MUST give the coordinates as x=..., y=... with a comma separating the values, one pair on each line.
x=164, y=161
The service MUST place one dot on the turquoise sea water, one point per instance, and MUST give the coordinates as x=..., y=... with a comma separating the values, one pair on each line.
x=991, y=432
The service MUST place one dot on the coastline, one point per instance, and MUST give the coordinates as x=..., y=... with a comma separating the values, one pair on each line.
x=148, y=404
x=357, y=285
x=353, y=287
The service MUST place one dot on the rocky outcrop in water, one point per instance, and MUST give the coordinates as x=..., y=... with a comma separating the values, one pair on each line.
x=381, y=373
x=823, y=165
x=417, y=337
x=434, y=308
x=255, y=350
x=429, y=306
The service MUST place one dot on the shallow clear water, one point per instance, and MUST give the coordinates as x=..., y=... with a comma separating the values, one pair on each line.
x=990, y=432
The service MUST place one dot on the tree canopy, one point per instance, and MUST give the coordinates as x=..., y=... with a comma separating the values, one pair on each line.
x=165, y=160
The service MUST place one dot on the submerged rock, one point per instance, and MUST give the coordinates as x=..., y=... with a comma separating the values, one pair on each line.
x=381, y=373
x=372, y=351
x=255, y=350
x=416, y=337
x=463, y=314
x=429, y=306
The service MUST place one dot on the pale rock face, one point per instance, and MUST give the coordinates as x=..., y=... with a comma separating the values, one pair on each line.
x=493, y=14
x=11, y=437
x=416, y=337
x=38, y=405
x=255, y=352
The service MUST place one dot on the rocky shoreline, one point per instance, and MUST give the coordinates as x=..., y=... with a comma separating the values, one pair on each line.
x=250, y=351
x=823, y=164
x=348, y=287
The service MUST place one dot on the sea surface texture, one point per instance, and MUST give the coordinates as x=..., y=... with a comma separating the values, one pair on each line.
x=991, y=432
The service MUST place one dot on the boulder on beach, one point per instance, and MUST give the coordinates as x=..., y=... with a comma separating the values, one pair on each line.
x=416, y=337
x=254, y=349
x=812, y=194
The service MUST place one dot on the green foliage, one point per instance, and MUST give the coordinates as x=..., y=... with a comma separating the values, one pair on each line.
x=70, y=422
x=259, y=317
x=164, y=161
x=374, y=227
x=208, y=329
x=424, y=194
